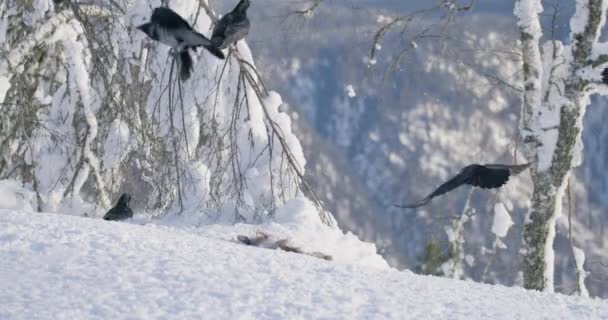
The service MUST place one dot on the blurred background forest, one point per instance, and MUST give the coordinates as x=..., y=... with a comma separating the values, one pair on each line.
x=435, y=96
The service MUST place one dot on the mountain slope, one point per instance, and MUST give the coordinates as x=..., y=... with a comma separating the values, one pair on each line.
x=57, y=266
x=447, y=107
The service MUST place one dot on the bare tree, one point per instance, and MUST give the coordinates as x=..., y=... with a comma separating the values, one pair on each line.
x=404, y=29
x=94, y=109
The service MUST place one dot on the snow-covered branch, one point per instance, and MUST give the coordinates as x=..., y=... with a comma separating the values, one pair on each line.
x=106, y=115
x=553, y=107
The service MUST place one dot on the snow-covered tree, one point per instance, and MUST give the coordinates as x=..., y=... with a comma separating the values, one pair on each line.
x=90, y=108
x=559, y=79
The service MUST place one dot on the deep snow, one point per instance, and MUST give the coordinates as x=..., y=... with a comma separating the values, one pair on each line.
x=60, y=267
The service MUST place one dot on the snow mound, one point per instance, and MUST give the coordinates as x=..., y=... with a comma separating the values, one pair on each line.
x=66, y=267
x=13, y=196
x=296, y=221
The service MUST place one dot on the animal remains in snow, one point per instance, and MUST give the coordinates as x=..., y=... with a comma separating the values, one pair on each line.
x=264, y=240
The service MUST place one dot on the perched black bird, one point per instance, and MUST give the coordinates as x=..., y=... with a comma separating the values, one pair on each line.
x=605, y=76
x=121, y=210
x=232, y=27
x=168, y=27
x=488, y=176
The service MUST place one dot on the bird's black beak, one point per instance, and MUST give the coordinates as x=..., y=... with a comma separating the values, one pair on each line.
x=143, y=27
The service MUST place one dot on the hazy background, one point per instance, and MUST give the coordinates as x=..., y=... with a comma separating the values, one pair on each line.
x=453, y=100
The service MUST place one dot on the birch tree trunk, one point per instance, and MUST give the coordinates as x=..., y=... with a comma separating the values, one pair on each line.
x=558, y=81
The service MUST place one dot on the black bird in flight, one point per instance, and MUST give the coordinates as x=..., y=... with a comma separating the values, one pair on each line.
x=605, y=76
x=488, y=176
x=170, y=28
x=232, y=27
x=121, y=210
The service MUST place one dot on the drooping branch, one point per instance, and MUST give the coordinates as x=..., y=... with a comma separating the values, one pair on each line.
x=277, y=132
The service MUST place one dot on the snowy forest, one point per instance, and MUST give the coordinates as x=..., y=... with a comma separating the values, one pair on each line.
x=308, y=130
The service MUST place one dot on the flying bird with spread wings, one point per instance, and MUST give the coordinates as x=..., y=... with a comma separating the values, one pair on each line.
x=487, y=176
x=168, y=27
x=232, y=27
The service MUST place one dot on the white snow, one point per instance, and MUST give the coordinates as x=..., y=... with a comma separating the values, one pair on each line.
x=350, y=91
x=374, y=136
x=549, y=78
x=12, y=197
x=527, y=12
x=381, y=19
x=116, y=144
x=3, y=27
x=90, y=138
x=4, y=86
x=579, y=20
x=369, y=61
x=579, y=259
x=66, y=267
x=396, y=159
x=549, y=251
x=502, y=221
x=40, y=8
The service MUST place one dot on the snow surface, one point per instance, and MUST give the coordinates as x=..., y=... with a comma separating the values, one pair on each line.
x=59, y=267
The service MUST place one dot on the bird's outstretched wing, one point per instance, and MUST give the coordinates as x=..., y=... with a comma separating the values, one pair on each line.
x=489, y=177
x=456, y=181
x=169, y=19
x=605, y=76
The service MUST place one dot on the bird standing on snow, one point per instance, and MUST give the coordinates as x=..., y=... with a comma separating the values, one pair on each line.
x=171, y=29
x=232, y=27
x=121, y=210
x=488, y=176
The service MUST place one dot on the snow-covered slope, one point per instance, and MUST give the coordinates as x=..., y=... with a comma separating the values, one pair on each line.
x=65, y=267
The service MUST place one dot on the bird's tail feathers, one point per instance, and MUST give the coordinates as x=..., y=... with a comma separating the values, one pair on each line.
x=517, y=169
x=414, y=205
x=215, y=51
x=194, y=38
x=185, y=61
x=197, y=39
